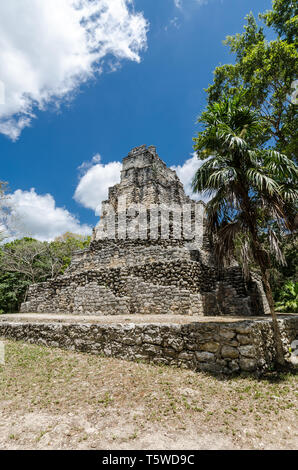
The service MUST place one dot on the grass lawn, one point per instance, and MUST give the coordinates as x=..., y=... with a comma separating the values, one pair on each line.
x=55, y=399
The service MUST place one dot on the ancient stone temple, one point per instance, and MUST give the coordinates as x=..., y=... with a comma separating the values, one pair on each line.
x=149, y=255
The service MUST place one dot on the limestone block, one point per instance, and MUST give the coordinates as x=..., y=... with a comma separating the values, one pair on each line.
x=210, y=347
x=229, y=352
x=243, y=339
x=247, y=364
x=247, y=351
x=227, y=333
x=205, y=356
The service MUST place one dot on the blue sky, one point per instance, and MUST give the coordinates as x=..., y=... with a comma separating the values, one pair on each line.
x=153, y=99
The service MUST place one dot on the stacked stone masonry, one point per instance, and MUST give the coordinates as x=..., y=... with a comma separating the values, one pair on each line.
x=173, y=275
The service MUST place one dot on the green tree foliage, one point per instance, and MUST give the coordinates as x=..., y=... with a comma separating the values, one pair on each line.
x=13, y=287
x=288, y=298
x=27, y=257
x=252, y=188
x=280, y=275
x=27, y=261
x=60, y=251
x=284, y=19
x=266, y=71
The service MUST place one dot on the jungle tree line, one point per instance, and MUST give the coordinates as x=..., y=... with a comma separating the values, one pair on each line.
x=27, y=261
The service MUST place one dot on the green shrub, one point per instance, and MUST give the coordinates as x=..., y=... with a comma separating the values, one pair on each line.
x=287, y=298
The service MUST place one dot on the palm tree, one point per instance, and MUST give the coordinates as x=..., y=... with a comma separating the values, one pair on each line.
x=252, y=189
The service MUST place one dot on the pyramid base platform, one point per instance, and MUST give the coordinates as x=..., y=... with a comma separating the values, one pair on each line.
x=217, y=345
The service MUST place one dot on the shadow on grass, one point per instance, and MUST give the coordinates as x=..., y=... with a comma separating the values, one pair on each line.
x=272, y=377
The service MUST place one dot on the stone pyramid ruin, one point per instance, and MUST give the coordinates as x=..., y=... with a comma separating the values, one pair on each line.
x=149, y=255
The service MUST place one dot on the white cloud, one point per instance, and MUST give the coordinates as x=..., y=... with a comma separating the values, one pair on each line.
x=49, y=47
x=178, y=3
x=174, y=22
x=186, y=172
x=95, y=182
x=37, y=216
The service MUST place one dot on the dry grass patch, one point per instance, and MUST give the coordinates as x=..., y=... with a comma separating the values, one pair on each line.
x=52, y=398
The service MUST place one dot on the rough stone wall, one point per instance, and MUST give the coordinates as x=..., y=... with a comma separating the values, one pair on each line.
x=146, y=179
x=112, y=254
x=217, y=347
x=167, y=284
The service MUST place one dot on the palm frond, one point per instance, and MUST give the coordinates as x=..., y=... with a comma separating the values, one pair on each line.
x=225, y=241
x=290, y=194
x=221, y=178
x=275, y=248
x=261, y=181
x=216, y=210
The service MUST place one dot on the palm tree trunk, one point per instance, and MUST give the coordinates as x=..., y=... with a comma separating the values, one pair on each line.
x=276, y=330
x=260, y=258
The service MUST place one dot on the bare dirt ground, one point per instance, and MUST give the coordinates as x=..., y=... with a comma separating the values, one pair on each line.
x=54, y=399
